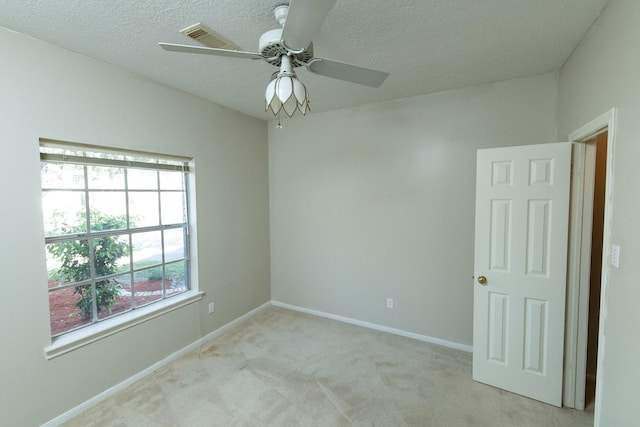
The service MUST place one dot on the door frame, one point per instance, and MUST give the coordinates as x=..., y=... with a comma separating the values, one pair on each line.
x=579, y=261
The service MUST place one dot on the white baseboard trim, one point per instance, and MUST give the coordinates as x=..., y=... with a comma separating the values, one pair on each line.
x=77, y=410
x=425, y=338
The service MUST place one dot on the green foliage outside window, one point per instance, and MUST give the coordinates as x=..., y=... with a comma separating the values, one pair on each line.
x=75, y=260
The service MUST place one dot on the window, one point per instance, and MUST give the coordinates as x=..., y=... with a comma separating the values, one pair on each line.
x=116, y=231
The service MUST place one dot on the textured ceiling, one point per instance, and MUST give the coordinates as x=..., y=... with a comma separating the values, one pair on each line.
x=426, y=45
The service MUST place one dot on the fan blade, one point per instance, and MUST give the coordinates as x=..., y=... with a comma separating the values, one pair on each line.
x=209, y=51
x=347, y=72
x=304, y=19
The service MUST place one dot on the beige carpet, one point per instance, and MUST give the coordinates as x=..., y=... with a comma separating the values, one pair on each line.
x=283, y=368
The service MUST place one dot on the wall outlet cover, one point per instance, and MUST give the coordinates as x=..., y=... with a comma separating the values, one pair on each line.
x=615, y=256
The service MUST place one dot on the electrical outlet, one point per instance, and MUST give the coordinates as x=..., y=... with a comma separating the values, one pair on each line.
x=389, y=302
x=212, y=307
x=615, y=256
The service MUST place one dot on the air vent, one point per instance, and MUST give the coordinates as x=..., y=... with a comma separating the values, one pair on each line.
x=208, y=37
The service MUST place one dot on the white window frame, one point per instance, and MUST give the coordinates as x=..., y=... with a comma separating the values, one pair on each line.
x=101, y=328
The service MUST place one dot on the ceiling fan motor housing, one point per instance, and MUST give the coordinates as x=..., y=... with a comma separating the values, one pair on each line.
x=271, y=48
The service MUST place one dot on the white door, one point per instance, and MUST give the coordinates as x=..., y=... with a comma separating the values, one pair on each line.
x=522, y=217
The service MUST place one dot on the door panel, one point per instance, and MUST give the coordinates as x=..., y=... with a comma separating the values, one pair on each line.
x=498, y=304
x=535, y=335
x=499, y=243
x=538, y=237
x=522, y=211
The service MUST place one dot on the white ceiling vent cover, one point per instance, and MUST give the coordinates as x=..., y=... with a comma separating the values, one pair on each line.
x=208, y=37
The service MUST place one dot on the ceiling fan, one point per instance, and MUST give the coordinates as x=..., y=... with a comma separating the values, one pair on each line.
x=290, y=47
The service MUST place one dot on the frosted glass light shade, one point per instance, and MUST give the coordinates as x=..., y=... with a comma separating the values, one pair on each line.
x=286, y=92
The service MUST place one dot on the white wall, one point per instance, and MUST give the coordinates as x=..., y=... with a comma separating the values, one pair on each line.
x=378, y=201
x=604, y=72
x=52, y=93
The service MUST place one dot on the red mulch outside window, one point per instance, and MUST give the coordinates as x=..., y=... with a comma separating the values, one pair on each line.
x=64, y=313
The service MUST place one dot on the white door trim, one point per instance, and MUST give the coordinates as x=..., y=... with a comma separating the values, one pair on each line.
x=576, y=326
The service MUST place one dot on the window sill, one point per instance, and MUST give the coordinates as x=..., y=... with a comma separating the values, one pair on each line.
x=77, y=339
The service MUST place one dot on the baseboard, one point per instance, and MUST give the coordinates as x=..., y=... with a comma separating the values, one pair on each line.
x=77, y=410
x=425, y=338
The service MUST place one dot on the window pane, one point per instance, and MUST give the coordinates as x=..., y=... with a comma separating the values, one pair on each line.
x=176, y=280
x=171, y=180
x=109, y=254
x=96, y=274
x=65, y=313
x=108, y=210
x=172, y=205
x=143, y=209
x=53, y=264
x=142, y=179
x=68, y=261
x=64, y=212
x=108, y=178
x=147, y=286
x=173, y=244
x=113, y=297
x=59, y=175
x=147, y=249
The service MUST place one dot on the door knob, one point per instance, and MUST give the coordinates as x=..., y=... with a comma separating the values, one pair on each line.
x=482, y=280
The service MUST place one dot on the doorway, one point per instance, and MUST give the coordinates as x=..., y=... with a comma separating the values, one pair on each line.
x=588, y=267
x=595, y=274
x=492, y=324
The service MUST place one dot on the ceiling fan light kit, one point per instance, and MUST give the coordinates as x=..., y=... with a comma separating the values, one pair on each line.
x=286, y=92
x=289, y=47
